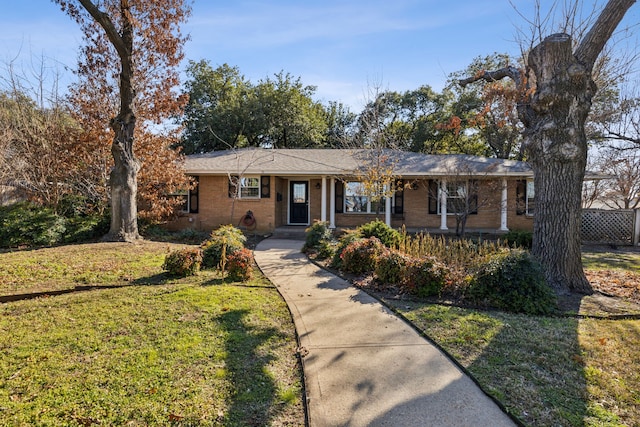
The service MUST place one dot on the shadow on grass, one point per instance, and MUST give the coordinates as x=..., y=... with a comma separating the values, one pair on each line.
x=156, y=279
x=254, y=391
x=533, y=367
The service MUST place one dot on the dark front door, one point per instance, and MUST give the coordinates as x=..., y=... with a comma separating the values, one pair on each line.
x=299, y=202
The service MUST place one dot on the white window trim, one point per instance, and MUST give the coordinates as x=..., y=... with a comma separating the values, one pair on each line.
x=240, y=187
x=382, y=202
x=529, y=189
x=449, y=204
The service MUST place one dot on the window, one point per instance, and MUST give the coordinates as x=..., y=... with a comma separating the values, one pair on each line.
x=525, y=197
x=462, y=197
x=245, y=187
x=356, y=201
x=188, y=199
x=183, y=197
x=530, y=201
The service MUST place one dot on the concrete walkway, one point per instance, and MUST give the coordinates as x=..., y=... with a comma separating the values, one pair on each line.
x=364, y=366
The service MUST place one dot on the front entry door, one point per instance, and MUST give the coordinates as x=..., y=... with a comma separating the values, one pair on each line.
x=299, y=202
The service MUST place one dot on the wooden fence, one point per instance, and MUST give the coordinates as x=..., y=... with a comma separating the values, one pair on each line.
x=619, y=227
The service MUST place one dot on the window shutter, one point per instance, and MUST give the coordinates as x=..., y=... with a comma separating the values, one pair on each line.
x=521, y=196
x=473, y=200
x=339, y=197
x=265, y=187
x=433, y=197
x=232, y=189
x=399, y=197
x=193, y=196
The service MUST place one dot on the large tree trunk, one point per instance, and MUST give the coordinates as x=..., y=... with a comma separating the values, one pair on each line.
x=124, y=182
x=554, y=117
x=557, y=146
x=124, y=176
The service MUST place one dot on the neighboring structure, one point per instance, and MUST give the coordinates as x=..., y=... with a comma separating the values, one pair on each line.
x=289, y=187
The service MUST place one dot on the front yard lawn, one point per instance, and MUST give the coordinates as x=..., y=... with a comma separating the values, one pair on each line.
x=552, y=371
x=194, y=351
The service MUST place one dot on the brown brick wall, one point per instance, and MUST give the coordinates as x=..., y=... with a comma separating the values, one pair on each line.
x=215, y=208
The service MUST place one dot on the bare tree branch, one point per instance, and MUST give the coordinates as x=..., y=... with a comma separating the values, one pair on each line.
x=593, y=43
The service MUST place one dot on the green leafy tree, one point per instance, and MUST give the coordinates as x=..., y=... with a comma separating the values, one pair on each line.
x=286, y=115
x=217, y=115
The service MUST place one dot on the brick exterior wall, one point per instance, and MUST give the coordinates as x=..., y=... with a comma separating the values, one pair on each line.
x=215, y=208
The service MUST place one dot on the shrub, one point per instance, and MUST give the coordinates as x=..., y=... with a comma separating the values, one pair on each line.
x=387, y=235
x=390, y=267
x=183, y=262
x=514, y=282
x=425, y=276
x=27, y=224
x=519, y=239
x=345, y=240
x=361, y=256
x=240, y=265
x=84, y=228
x=325, y=250
x=224, y=240
x=318, y=233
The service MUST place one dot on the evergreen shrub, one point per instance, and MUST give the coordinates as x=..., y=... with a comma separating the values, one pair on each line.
x=425, y=276
x=240, y=265
x=387, y=235
x=222, y=242
x=514, y=282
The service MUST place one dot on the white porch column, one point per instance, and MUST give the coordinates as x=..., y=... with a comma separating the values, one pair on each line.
x=387, y=209
x=443, y=205
x=323, y=200
x=503, y=207
x=332, y=204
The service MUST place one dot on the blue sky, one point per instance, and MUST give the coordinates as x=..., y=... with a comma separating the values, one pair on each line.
x=342, y=47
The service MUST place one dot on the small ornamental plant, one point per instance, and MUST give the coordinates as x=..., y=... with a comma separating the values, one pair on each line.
x=361, y=256
x=183, y=262
x=390, y=266
x=224, y=240
x=425, y=276
x=240, y=265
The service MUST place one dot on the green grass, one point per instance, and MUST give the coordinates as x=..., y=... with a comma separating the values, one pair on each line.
x=194, y=351
x=548, y=371
x=617, y=260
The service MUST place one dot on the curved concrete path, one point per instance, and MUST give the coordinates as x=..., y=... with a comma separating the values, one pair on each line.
x=363, y=365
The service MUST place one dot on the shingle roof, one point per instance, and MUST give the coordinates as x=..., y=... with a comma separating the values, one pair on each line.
x=297, y=162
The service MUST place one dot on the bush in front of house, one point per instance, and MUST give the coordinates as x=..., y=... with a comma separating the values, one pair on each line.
x=183, y=262
x=519, y=239
x=223, y=241
x=391, y=266
x=387, y=235
x=512, y=281
x=345, y=240
x=425, y=276
x=319, y=239
x=240, y=265
x=361, y=256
